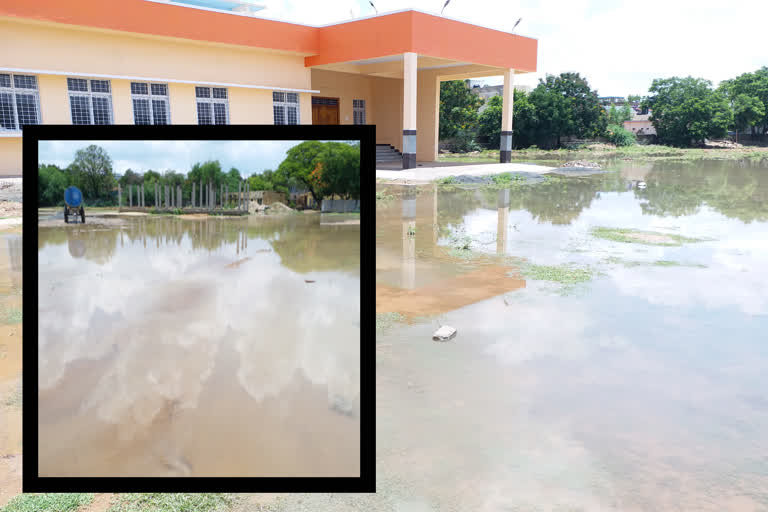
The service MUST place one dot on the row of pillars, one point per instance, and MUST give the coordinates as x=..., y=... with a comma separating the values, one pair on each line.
x=410, y=73
x=172, y=196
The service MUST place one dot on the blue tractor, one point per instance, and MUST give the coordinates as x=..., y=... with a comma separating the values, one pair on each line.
x=73, y=204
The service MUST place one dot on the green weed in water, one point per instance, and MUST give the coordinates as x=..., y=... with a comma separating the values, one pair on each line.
x=448, y=180
x=12, y=316
x=385, y=321
x=634, y=236
x=658, y=263
x=47, y=502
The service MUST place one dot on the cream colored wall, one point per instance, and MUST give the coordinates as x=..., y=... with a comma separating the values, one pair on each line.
x=10, y=156
x=305, y=108
x=346, y=87
x=43, y=46
x=428, y=114
x=54, y=100
x=183, y=103
x=248, y=106
x=387, y=111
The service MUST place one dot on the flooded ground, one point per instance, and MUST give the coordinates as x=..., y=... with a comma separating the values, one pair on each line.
x=199, y=347
x=611, y=350
x=10, y=365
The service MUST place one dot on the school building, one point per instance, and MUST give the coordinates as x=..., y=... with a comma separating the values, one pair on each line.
x=177, y=62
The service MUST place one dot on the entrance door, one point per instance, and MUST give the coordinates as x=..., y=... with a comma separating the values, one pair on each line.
x=325, y=110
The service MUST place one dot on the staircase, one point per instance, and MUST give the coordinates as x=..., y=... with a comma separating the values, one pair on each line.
x=387, y=154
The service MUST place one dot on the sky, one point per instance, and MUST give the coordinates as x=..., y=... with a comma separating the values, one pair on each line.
x=247, y=156
x=620, y=46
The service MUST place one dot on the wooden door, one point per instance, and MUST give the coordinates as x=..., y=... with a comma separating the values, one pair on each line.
x=325, y=110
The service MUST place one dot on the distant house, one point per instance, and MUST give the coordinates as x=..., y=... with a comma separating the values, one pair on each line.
x=640, y=124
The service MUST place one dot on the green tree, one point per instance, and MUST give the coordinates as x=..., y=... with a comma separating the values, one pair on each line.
x=323, y=168
x=52, y=181
x=458, y=109
x=617, y=116
x=93, y=168
x=687, y=110
x=748, y=111
x=566, y=106
x=755, y=85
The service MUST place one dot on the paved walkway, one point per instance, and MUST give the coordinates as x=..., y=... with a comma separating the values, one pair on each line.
x=427, y=173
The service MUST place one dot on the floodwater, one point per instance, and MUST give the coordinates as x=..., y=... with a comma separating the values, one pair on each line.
x=197, y=347
x=10, y=365
x=644, y=388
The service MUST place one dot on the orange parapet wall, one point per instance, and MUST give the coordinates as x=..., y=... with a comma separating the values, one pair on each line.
x=425, y=34
x=378, y=36
x=169, y=20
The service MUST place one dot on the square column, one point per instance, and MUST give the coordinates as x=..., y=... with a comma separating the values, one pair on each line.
x=409, y=109
x=506, y=116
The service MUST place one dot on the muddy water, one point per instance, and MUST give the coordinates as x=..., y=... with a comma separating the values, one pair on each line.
x=176, y=347
x=644, y=388
x=10, y=365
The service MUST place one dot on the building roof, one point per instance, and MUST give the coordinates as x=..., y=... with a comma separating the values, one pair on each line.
x=380, y=36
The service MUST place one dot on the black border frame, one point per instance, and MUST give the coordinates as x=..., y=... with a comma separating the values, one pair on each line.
x=31, y=482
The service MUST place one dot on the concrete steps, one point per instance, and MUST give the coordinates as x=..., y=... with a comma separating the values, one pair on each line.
x=386, y=153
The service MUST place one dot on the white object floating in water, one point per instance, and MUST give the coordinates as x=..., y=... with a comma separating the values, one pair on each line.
x=444, y=333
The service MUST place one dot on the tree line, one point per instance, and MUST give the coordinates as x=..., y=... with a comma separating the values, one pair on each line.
x=684, y=111
x=323, y=169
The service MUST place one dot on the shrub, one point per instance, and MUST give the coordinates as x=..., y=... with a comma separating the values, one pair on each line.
x=621, y=137
x=463, y=142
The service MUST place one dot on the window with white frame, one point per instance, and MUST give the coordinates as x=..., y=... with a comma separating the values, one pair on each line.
x=212, y=105
x=285, y=106
x=150, y=103
x=358, y=111
x=90, y=101
x=19, y=101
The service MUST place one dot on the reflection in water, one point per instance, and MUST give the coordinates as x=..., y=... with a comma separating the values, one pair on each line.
x=196, y=348
x=642, y=391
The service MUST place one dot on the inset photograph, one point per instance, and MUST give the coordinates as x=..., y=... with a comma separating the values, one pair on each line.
x=199, y=308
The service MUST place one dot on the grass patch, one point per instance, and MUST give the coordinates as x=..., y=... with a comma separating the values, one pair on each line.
x=385, y=321
x=643, y=152
x=507, y=179
x=448, y=180
x=658, y=263
x=634, y=236
x=172, y=502
x=568, y=276
x=12, y=316
x=47, y=502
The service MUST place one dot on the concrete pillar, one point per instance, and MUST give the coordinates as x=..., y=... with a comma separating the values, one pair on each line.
x=193, y=194
x=119, y=196
x=201, y=193
x=247, y=196
x=143, y=204
x=181, y=199
x=167, y=205
x=226, y=193
x=239, y=194
x=409, y=109
x=508, y=95
x=156, y=198
x=130, y=195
